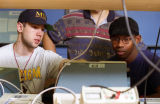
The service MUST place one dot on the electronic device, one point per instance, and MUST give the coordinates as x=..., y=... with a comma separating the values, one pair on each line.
x=98, y=95
x=12, y=98
x=150, y=100
x=106, y=73
x=65, y=98
x=11, y=94
x=11, y=75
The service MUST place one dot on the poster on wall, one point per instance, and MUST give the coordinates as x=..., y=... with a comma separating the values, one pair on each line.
x=8, y=29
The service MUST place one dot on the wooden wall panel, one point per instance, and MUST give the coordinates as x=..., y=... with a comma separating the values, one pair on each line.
x=140, y=5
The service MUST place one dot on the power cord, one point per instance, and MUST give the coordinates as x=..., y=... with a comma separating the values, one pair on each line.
x=153, y=59
x=2, y=88
x=151, y=63
x=139, y=82
x=52, y=88
x=129, y=30
x=128, y=27
x=2, y=80
x=96, y=27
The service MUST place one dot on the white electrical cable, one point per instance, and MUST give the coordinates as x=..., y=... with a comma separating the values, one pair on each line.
x=84, y=51
x=52, y=88
x=93, y=36
x=2, y=88
x=130, y=33
x=2, y=80
x=152, y=64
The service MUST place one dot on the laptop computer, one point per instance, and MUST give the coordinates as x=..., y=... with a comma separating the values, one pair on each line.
x=11, y=75
x=105, y=73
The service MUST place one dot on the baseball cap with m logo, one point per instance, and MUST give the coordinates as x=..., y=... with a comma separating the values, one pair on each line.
x=34, y=16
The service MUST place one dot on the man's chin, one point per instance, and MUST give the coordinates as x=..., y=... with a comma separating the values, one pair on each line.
x=35, y=46
x=121, y=57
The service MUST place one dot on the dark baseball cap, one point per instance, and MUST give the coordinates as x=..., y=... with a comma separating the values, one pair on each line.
x=34, y=16
x=119, y=27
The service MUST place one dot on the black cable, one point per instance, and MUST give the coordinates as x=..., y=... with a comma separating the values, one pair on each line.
x=130, y=33
x=153, y=59
x=152, y=64
x=138, y=83
x=155, y=51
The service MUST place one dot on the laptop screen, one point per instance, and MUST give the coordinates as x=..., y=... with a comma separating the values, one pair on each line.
x=105, y=73
x=11, y=75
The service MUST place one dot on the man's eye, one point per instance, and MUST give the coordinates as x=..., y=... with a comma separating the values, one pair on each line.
x=126, y=40
x=35, y=27
x=116, y=39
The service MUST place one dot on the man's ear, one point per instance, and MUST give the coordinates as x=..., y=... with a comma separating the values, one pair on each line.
x=19, y=27
x=138, y=39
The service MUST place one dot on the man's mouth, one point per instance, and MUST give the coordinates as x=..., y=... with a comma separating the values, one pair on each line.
x=120, y=52
x=37, y=41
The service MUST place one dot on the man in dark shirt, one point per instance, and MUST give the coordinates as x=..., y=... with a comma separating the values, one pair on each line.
x=126, y=51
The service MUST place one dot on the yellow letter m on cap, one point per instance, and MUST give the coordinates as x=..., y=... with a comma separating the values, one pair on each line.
x=41, y=15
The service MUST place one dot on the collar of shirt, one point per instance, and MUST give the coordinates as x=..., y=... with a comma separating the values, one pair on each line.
x=104, y=21
x=110, y=17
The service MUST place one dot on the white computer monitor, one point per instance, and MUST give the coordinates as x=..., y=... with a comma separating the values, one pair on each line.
x=104, y=73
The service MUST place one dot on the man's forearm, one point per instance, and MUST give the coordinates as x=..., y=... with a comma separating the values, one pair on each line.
x=48, y=44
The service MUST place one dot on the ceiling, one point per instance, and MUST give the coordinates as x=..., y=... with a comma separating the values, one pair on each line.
x=137, y=5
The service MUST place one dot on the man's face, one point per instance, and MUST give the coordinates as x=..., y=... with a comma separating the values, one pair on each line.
x=123, y=45
x=32, y=34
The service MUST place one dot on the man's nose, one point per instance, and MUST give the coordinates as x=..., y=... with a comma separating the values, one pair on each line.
x=40, y=32
x=120, y=43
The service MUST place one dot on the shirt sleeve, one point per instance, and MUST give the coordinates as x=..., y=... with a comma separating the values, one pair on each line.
x=58, y=32
x=54, y=61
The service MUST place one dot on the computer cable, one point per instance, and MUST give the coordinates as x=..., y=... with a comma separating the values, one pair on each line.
x=67, y=62
x=2, y=80
x=153, y=59
x=89, y=44
x=151, y=63
x=58, y=87
x=139, y=82
x=7, y=87
x=129, y=30
x=155, y=51
x=2, y=88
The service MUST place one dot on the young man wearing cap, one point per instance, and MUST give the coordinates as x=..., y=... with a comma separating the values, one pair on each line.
x=126, y=51
x=36, y=65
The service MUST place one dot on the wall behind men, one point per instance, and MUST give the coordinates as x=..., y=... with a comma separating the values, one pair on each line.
x=53, y=15
x=148, y=22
